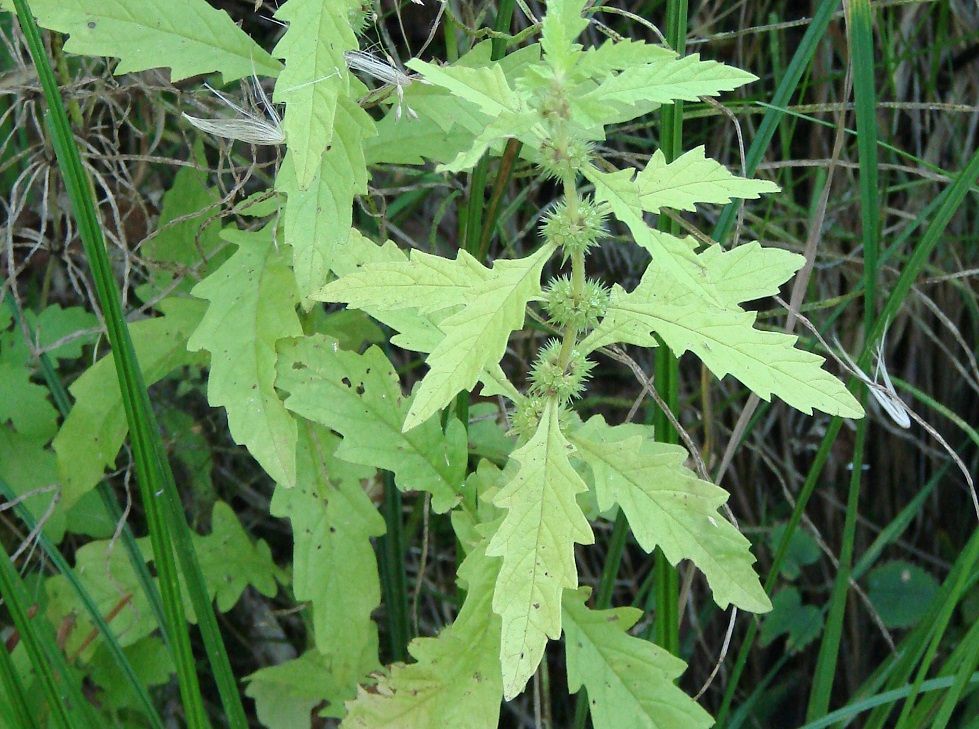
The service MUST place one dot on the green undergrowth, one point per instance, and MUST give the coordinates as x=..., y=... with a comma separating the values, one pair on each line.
x=474, y=399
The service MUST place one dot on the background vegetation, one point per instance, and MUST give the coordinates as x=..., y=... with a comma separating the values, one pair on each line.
x=874, y=581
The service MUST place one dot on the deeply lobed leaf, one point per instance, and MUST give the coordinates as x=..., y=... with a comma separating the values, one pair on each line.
x=188, y=37
x=670, y=508
x=629, y=680
x=536, y=541
x=252, y=306
x=358, y=396
x=455, y=681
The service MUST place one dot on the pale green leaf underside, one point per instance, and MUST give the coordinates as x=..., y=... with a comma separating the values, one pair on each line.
x=669, y=507
x=252, y=306
x=690, y=179
x=725, y=340
x=486, y=86
x=315, y=74
x=616, y=55
x=188, y=37
x=358, y=396
x=630, y=681
x=455, y=681
x=536, y=541
x=476, y=336
x=668, y=80
x=425, y=283
x=94, y=431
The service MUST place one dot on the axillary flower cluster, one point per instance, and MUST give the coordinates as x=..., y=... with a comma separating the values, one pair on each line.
x=573, y=304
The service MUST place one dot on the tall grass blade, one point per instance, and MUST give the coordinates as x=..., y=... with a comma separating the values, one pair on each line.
x=111, y=644
x=69, y=709
x=942, y=211
x=151, y=466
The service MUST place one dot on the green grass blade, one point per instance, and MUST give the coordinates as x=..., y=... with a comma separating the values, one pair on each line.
x=865, y=102
x=851, y=711
x=151, y=468
x=60, y=397
x=946, y=206
x=14, y=692
x=69, y=709
x=391, y=565
x=667, y=583
x=861, y=40
x=783, y=94
x=112, y=645
x=829, y=648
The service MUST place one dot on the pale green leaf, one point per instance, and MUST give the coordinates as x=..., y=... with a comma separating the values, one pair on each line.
x=424, y=138
x=455, y=681
x=562, y=25
x=252, y=306
x=492, y=135
x=315, y=74
x=358, y=396
x=425, y=283
x=287, y=694
x=477, y=335
x=536, y=541
x=616, y=55
x=621, y=192
x=334, y=566
x=742, y=274
x=667, y=80
x=670, y=508
x=690, y=179
x=416, y=332
x=188, y=37
x=94, y=431
x=749, y=271
x=726, y=341
x=486, y=86
x=630, y=681
x=318, y=218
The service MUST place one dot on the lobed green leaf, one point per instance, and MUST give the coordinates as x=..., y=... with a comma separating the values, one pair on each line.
x=536, y=541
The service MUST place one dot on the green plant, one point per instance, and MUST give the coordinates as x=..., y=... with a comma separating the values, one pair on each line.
x=321, y=411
